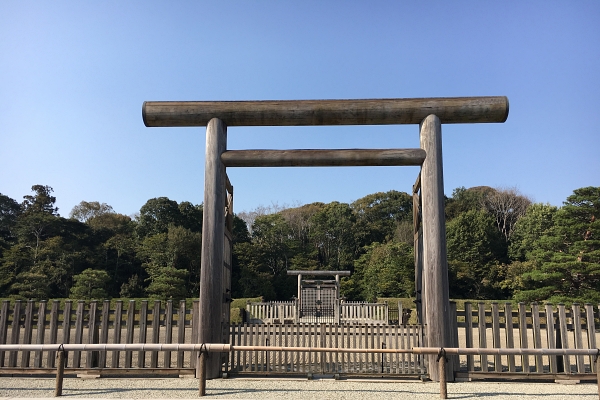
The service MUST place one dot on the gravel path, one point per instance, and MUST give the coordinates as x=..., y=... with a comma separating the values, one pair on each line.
x=255, y=388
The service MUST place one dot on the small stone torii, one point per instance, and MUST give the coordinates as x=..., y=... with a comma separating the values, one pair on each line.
x=428, y=113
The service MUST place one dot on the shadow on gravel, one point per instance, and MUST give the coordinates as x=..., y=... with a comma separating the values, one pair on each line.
x=105, y=391
x=513, y=395
x=318, y=393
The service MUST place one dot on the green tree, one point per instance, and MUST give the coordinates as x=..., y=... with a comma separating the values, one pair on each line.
x=31, y=284
x=157, y=215
x=89, y=284
x=9, y=212
x=133, y=288
x=476, y=249
x=35, y=266
x=240, y=236
x=384, y=270
x=168, y=283
x=191, y=216
x=333, y=236
x=567, y=256
x=254, y=279
x=265, y=260
x=463, y=200
x=301, y=227
x=172, y=262
x=41, y=202
x=537, y=222
x=85, y=210
x=378, y=215
x=39, y=218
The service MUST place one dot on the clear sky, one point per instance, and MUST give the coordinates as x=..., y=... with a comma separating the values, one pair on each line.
x=74, y=75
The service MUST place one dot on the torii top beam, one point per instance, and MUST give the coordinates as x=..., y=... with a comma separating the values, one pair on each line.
x=450, y=110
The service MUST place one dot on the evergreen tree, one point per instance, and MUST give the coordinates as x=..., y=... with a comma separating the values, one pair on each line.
x=384, y=270
x=90, y=284
x=476, y=251
x=567, y=258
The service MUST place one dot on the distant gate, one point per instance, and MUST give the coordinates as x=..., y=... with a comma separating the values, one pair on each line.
x=318, y=303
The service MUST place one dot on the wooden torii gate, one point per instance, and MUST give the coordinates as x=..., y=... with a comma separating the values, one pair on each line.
x=428, y=113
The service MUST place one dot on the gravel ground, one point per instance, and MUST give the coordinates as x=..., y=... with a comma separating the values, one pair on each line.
x=255, y=388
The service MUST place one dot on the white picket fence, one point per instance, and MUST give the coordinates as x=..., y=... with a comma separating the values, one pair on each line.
x=288, y=312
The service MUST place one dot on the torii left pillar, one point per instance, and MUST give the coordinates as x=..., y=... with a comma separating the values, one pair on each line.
x=435, y=295
x=213, y=233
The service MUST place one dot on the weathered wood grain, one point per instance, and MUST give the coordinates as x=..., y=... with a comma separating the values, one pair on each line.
x=482, y=330
x=129, y=333
x=27, y=332
x=564, y=336
x=104, y=331
x=523, y=336
x=496, y=336
x=92, y=357
x=323, y=158
x=40, y=334
x=79, y=315
x=591, y=331
x=550, y=321
x=50, y=360
x=510, y=340
x=117, y=331
x=435, y=266
x=143, y=332
x=66, y=324
x=469, y=334
x=168, y=331
x=537, y=335
x=213, y=241
x=326, y=112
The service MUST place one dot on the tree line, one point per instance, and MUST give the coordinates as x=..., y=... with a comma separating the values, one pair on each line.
x=500, y=246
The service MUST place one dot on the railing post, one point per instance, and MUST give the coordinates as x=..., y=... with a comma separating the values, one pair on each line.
x=60, y=372
x=598, y=371
x=442, y=374
x=202, y=373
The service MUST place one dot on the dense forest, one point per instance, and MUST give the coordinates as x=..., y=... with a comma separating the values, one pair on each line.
x=500, y=246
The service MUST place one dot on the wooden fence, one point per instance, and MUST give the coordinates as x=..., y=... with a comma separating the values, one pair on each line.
x=349, y=312
x=272, y=312
x=478, y=326
x=538, y=327
x=363, y=336
x=93, y=322
x=158, y=322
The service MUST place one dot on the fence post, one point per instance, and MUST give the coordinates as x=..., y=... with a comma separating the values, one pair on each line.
x=442, y=374
x=60, y=371
x=598, y=371
x=202, y=373
x=93, y=334
x=455, y=359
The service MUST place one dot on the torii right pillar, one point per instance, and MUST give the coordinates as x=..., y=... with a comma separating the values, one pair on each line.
x=435, y=293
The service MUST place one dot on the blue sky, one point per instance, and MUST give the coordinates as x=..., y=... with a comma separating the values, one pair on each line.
x=74, y=75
